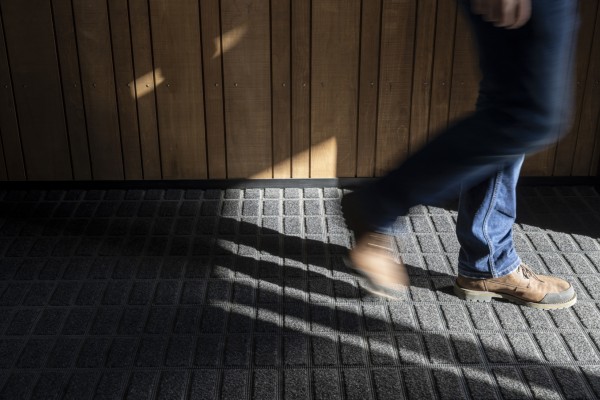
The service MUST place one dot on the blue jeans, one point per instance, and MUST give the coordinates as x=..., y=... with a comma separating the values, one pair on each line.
x=523, y=106
x=486, y=213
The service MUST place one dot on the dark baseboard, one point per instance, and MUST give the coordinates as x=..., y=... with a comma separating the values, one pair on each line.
x=559, y=181
x=254, y=183
x=176, y=184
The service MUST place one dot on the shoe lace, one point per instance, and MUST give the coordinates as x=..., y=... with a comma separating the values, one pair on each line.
x=528, y=272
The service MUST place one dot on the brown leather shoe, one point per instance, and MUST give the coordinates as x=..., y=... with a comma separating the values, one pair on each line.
x=373, y=257
x=522, y=287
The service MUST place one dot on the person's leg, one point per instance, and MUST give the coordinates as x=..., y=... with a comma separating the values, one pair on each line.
x=489, y=266
x=526, y=83
x=524, y=93
x=486, y=215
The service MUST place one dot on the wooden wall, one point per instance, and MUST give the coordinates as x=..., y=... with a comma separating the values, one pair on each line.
x=196, y=89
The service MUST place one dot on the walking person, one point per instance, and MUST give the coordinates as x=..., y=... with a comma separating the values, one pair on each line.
x=526, y=55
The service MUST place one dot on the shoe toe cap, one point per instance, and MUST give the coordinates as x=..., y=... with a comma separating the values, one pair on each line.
x=559, y=297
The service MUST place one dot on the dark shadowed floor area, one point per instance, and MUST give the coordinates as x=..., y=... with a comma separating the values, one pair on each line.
x=242, y=293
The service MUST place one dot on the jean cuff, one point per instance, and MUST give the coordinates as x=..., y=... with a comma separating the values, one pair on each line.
x=469, y=273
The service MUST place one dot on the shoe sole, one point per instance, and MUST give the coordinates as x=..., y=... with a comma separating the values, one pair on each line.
x=486, y=297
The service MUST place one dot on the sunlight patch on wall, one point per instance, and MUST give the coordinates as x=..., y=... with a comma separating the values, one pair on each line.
x=229, y=40
x=146, y=83
x=323, y=158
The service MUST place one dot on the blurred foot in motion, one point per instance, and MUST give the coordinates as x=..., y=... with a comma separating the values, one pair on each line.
x=374, y=256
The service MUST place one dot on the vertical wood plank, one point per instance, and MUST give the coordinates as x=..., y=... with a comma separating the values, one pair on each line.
x=213, y=88
x=584, y=163
x=71, y=88
x=595, y=167
x=369, y=85
x=281, y=84
x=396, y=73
x=334, y=102
x=9, y=125
x=247, y=77
x=3, y=174
x=565, y=149
x=141, y=38
x=178, y=55
x=124, y=78
x=465, y=71
x=95, y=52
x=36, y=80
x=301, y=54
x=421, y=92
x=182, y=62
x=442, y=66
x=543, y=163
x=539, y=164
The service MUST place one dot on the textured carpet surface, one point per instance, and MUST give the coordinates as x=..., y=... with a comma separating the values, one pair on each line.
x=238, y=294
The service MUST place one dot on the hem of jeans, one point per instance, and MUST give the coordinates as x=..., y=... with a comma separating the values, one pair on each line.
x=512, y=268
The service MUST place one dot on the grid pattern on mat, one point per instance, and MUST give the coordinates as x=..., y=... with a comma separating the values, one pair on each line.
x=242, y=293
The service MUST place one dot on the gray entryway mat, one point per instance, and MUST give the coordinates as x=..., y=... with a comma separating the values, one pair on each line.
x=242, y=293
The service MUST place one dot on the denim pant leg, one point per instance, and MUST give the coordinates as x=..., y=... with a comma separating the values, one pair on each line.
x=525, y=93
x=486, y=215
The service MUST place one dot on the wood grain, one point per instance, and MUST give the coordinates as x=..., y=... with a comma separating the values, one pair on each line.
x=301, y=55
x=3, y=174
x=68, y=56
x=465, y=71
x=99, y=92
x=422, y=76
x=395, y=76
x=141, y=38
x=595, y=165
x=565, y=149
x=9, y=124
x=585, y=159
x=195, y=89
x=246, y=49
x=126, y=99
x=212, y=65
x=179, y=95
x=544, y=162
x=281, y=84
x=369, y=88
x=37, y=89
x=442, y=67
x=334, y=97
